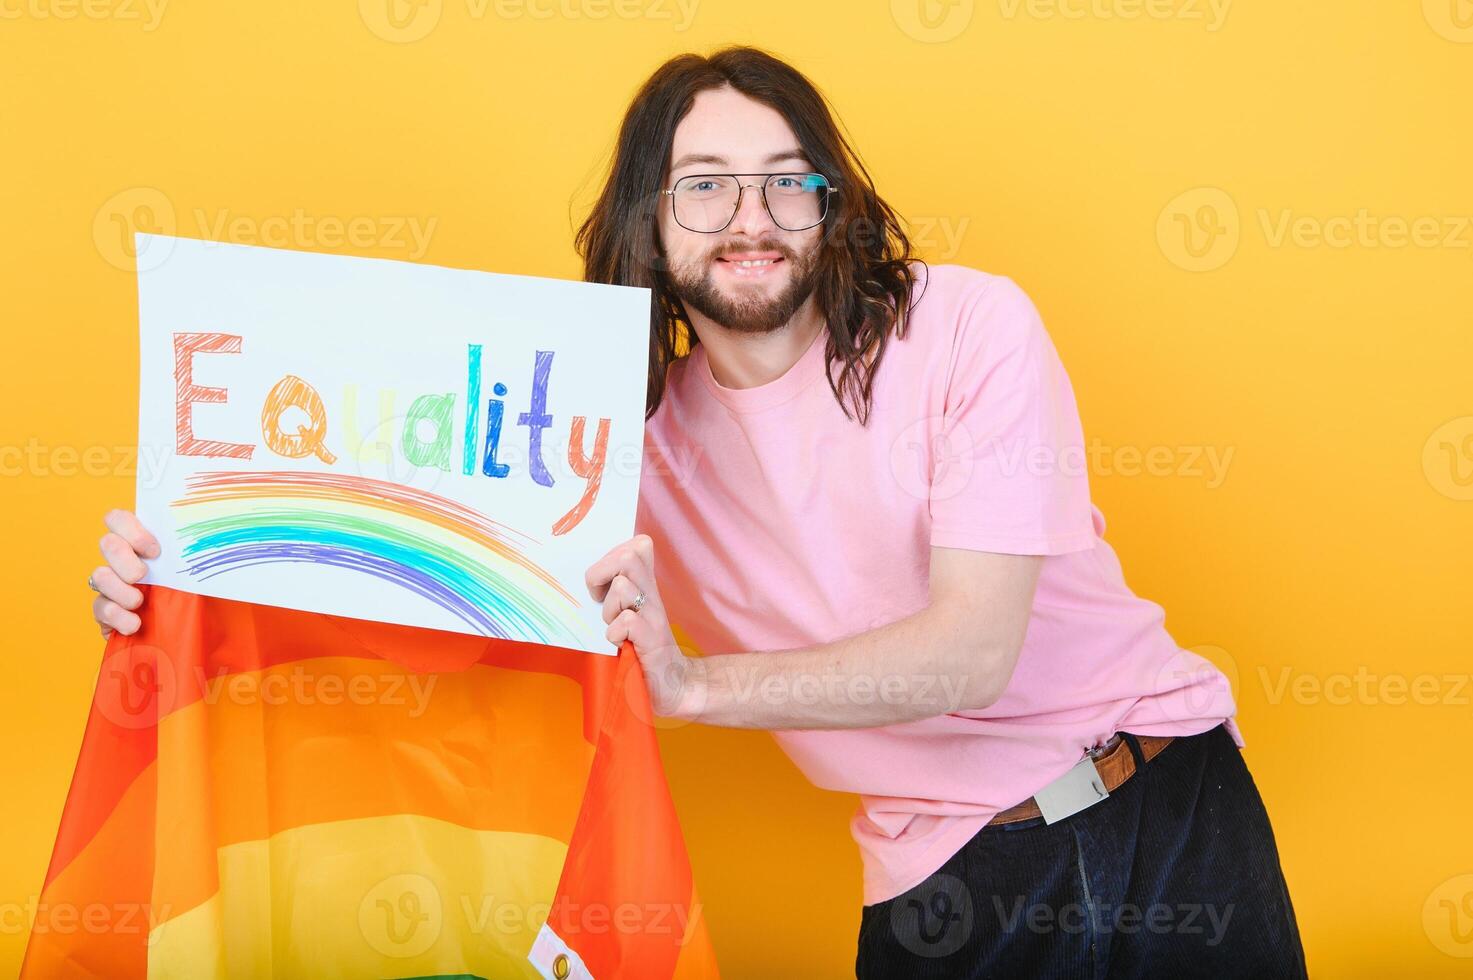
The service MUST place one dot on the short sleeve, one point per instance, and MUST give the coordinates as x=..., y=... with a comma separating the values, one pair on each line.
x=1009, y=469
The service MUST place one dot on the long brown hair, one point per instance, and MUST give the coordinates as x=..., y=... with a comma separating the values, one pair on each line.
x=863, y=278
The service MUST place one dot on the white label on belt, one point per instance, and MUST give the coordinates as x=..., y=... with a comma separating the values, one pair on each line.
x=1078, y=789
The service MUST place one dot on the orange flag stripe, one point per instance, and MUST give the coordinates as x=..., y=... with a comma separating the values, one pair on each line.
x=485, y=748
x=147, y=676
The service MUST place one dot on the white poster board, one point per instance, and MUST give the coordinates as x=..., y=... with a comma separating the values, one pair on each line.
x=388, y=440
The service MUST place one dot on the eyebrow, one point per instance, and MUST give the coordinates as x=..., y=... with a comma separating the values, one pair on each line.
x=721, y=161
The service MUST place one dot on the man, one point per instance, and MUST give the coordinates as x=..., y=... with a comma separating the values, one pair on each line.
x=865, y=487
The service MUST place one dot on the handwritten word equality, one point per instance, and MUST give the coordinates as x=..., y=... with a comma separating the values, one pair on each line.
x=435, y=410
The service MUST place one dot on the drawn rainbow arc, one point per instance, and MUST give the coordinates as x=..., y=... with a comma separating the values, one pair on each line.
x=437, y=548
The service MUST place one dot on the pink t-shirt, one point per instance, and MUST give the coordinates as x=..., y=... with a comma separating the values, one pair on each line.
x=779, y=523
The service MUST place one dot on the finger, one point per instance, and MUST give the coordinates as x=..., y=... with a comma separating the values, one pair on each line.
x=126, y=525
x=628, y=626
x=646, y=633
x=110, y=614
x=119, y=554
x=107, y=583
x=622, y=592
x=622, y=560
x=602, y=572
x=644, y=547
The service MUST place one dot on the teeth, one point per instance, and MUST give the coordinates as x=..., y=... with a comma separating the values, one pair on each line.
x=750, y=263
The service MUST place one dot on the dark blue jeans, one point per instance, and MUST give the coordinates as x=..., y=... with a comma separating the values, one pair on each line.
x=1174, y=875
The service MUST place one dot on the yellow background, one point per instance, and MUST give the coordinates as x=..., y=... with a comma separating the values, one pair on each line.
x=1068, y=147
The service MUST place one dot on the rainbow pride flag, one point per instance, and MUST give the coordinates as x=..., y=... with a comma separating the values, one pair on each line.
x=265, y=792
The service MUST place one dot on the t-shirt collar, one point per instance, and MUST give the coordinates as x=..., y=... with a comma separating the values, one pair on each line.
x=805, y=370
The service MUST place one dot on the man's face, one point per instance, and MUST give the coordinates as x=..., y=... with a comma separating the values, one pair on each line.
x=725, y=132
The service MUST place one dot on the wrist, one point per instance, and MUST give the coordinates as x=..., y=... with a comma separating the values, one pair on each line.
x=692, y=690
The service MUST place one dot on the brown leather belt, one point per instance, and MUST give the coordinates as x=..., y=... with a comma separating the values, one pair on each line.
x=1115, y=762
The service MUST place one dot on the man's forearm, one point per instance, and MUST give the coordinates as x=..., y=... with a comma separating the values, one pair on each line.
x=927, y=664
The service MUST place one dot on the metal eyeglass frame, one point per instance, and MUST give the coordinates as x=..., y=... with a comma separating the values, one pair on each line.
x=828, y=190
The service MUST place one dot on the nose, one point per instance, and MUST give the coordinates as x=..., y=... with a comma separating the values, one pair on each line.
x=752, y=218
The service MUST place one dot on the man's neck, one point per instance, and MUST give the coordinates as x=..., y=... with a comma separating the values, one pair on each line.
x=745, y=360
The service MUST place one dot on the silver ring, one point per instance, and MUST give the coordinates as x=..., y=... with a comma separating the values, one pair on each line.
x=92, y=585
x=638, y=602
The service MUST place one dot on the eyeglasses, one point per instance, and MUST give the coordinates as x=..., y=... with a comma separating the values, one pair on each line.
x=706, y=203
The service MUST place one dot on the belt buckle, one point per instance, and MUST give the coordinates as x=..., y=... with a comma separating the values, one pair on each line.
x=1078, y=789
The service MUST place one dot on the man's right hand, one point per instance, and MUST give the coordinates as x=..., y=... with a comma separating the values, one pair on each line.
x=125, y=545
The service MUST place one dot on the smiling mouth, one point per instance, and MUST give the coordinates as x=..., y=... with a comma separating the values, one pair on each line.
x=750, y=266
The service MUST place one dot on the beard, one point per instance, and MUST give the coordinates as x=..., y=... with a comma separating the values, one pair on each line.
x=751, y=312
